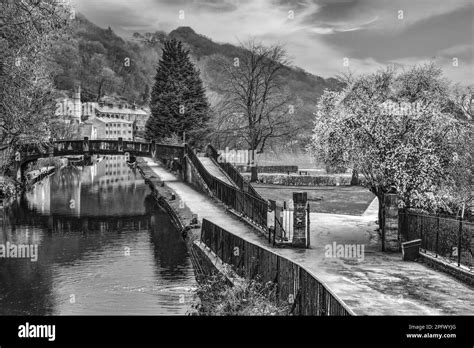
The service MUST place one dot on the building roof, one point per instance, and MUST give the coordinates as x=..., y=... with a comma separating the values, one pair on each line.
x=111, y=120
x=115, y=109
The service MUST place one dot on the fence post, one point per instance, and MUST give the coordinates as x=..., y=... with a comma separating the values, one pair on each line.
x=308, y=229
x=419, y=225
x=437, y=235
x=461, y=217
x=272, y=207
x=299, y=218
x=274, y=236
x=459, y=241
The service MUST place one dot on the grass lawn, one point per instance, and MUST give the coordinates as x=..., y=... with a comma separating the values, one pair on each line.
x=348, y=200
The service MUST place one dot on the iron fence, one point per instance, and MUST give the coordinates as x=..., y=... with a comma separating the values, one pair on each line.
x=252, y=207
x=296, y=286
x=452, y=239
x=232, y=172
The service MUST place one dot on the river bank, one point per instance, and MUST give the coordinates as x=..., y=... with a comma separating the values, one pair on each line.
x=44, y=167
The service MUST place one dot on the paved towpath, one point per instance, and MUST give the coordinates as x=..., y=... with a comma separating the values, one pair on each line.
x=378, y=284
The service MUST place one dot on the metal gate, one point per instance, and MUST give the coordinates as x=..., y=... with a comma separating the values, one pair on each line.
x=281, y=220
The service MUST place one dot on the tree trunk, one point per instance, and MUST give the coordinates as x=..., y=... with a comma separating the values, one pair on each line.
x=355, y=177
x=381, y=218
x=253, y=167
x=380, y=213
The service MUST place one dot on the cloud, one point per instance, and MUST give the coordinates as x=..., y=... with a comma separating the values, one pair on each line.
x=318, y=35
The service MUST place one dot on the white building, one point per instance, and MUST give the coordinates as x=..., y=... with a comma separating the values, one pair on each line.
x=123, y=111
x=110, y=128
x=103, y=120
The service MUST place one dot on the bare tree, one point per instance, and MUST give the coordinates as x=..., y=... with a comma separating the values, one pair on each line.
x=347, y=77
x=255, y=107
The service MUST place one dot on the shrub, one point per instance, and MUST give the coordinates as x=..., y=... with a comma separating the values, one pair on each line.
x=7, y=187
x=217, y=297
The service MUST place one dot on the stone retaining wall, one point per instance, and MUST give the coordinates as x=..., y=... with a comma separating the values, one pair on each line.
x=304, y=180
x=459, y=273
x=268, y=169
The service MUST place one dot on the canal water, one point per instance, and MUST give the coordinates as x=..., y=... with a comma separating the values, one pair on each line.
x=103, y=248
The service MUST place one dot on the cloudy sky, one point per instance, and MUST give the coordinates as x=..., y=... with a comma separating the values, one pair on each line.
x=318, y=34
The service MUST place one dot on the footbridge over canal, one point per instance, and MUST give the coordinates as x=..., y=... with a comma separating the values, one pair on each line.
x=28, y=153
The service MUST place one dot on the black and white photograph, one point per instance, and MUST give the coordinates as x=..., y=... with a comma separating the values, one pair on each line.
x=199, y=166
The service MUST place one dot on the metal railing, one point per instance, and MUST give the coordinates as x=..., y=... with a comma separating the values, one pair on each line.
x=452, y=239
x=30, y=152
x=281, y=218
x=252, y=207
x=296, y=286
x=231, y=171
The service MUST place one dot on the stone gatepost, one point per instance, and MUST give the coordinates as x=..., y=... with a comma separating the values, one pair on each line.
x=299, y=219
x=390, y=235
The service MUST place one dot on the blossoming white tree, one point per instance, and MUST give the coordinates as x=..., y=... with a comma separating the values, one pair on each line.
x=418, y=150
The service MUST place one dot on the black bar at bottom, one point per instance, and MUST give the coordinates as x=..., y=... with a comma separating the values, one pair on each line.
x=135, y=331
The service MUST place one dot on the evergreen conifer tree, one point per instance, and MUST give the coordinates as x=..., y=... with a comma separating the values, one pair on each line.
x=178, y=100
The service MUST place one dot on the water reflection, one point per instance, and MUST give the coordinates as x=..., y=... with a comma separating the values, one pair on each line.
x=105, y=247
